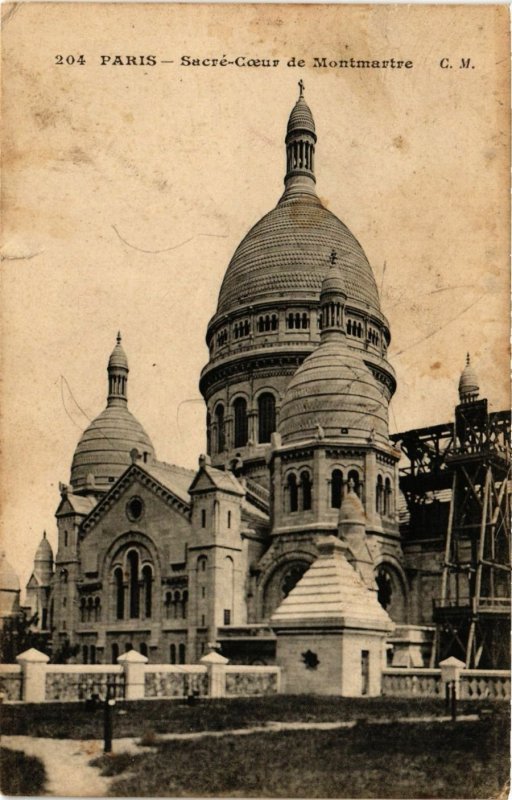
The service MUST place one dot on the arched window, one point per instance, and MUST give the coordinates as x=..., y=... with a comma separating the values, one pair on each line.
x=208, y=433
x=203, y=518
x=305, y=485
x=181, y=652
x=128, y=646
x=115, y=652
x=133, y=567
x=147, y=580
x=266, y=416
x=274, y=322
x=387, y=497
x=379, y=495
x=172, y=654
x=65, y=538
x=293, y=493
x=305, y=320
x=143, y=649
x=97, y=609
x=353, y=476
x=119, y=592
x=291, y=577
x=201, y=563
x=85, y=654
x=168, y=604
x=184, y=605
x=176, y=603
x=219, y=419
x=336, y=488
x=229, y=519
x=93, y=654
x=90, y=607
x=241, y=429
x=82, y=609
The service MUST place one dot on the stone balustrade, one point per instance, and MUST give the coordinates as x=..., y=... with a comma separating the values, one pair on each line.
x=471, y=684
x=34, y=680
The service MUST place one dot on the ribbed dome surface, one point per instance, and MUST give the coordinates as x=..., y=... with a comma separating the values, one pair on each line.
x=104, y=449
x=44, y=552
x=468, y=383
x=301, y=117
x=118, y=357
x=287, y=251
x=333, y=388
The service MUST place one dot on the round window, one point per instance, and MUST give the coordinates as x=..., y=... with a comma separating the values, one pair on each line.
x=134, y=508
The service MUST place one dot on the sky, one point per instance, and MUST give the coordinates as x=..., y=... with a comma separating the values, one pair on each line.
x=127, y=188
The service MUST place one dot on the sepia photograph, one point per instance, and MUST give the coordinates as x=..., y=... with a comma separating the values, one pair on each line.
x=255, y=410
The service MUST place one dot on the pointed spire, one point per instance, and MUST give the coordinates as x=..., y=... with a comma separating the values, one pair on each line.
x=300, y=149
x=117, y=374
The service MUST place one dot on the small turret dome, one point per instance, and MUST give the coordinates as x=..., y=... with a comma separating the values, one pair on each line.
x=468, y=383
x=44, y=552
x=103, y=452
x=335, y=389
x=301, y=118
x=118, y=356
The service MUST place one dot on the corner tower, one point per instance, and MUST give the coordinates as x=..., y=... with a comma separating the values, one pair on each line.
x=267, y=318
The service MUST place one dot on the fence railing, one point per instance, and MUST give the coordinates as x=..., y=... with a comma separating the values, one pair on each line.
x=34, y=680
x=473, y=684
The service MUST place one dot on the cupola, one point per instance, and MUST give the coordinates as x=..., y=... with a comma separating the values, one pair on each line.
x=300, y=149
x=468, y=383
x=103, y=452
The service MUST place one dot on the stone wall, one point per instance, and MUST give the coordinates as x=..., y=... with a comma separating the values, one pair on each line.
x=175, y=681
x=251, y=681
x=10, y=682
x=74, y=682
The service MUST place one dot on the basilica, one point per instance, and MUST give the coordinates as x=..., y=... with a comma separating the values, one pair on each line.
x=166, y=560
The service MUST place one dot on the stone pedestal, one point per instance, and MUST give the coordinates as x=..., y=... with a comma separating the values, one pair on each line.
x=33, y=669
x=215, y=663
x=133, y=664
x=331, y=630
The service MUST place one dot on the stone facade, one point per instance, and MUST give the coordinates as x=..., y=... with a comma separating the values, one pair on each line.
x=165, y=560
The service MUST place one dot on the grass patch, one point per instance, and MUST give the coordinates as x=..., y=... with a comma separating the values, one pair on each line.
x=74, y=721
x=400, y=760
x=21, y=774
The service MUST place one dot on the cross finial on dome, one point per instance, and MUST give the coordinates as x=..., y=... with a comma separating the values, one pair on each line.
x=301, y=88
x=468, y=359
x=118, y=337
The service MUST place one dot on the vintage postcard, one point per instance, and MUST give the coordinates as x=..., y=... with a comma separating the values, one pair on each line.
x=254, y=404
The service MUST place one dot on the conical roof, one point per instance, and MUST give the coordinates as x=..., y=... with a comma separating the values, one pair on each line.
x=118, y=357
x=301, y=117
x=44, y=551
x=331, y=590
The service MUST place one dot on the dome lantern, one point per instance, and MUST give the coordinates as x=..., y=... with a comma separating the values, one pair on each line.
x=300, y=149
x=117, y=374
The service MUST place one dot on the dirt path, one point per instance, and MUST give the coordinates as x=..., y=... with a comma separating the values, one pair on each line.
x=67, y=761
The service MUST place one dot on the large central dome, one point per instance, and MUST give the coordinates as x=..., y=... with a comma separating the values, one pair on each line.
x=287, y=250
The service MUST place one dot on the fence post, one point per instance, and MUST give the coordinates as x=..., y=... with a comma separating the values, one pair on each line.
x=33, y=674
x=450, y=675
x=216, y=666
x=133, y=664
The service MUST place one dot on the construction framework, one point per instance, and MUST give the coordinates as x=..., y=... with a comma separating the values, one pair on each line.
x=469, y=462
